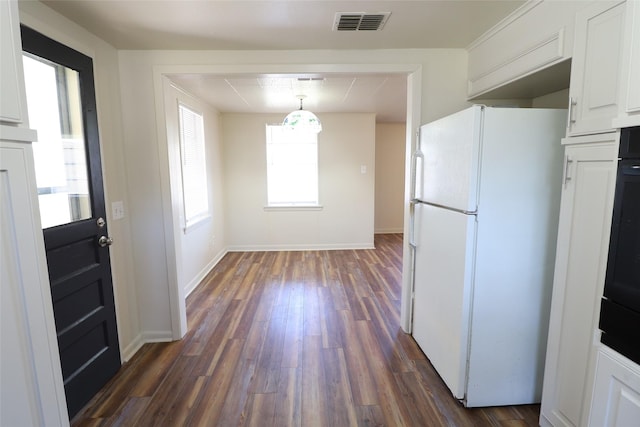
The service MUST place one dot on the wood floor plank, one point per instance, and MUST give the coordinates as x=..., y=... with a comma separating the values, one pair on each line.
x=293, y=335
x=329, y=320
x=262, y=411
x=314, y=413
x=186, y=397
x=294, y=338
x=213, y=394
x=160, y=407
x=215, y=345
x=133, y=413
x=391, y=401
x=269, y=362
x=370, y=416
x=397, y=359
x=363, y=386
x=350, y=287
x=288, y=409
x=156, y=369
x=238, y=395
x=340, y=407
x=423, y=408
x=311, y=313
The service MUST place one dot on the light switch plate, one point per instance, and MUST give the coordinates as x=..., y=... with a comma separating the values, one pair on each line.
x=117, y=209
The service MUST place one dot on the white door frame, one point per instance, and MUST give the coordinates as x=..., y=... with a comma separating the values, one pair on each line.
x=170, y=206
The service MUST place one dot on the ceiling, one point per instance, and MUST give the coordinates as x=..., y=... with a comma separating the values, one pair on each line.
x=288, y=25
x=382, y=94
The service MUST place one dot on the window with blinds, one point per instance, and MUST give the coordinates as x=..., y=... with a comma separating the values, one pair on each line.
x=292, y=167
x=194, y=169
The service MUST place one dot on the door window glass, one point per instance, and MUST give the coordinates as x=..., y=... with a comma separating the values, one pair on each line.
x=54, y=106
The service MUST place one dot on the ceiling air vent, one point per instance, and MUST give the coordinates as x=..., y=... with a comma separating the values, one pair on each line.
x=360, y=21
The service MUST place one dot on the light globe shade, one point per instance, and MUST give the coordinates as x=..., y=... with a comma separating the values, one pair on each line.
x=302, y=120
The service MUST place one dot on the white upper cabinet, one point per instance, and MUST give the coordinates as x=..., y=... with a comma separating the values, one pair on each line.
x=630, y=72
x=12, y=97
x=532, y=39
x=596, y=81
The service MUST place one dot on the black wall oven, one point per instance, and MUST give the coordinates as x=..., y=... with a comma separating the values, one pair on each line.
x=620, y=307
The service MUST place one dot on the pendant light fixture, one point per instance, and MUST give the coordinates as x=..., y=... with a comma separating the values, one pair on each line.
x=302, y=119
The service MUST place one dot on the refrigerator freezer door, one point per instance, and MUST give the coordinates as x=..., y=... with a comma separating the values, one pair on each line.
x=451, y=149
x=442, y=290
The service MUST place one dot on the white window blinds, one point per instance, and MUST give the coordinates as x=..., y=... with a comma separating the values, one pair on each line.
x=194, y=168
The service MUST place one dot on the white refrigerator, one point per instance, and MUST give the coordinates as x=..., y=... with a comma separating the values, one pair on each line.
x=486, y=196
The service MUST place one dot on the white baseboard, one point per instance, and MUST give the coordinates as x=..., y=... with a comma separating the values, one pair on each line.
x=190, y=287
x=312, y=247
x=144, y=338
x=157, y=336
x=130, y=350
x=389, y=231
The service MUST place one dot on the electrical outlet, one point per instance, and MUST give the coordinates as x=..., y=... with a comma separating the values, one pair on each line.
x=363, y=169
x=117, y=210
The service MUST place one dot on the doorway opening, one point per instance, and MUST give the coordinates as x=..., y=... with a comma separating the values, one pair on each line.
x=162, y=74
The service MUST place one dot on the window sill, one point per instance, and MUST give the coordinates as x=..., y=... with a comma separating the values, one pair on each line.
x=195, y=223
x=282, y=208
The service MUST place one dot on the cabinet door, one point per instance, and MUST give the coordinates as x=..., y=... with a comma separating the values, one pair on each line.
x=616, y=391
x=595, y=68
x=583, y=241
x=32, y=388
x=11, y=82
x=633, y=74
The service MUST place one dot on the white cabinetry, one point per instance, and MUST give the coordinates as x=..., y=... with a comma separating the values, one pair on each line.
x=616, y=392
x=633, y=75
x=32, y=392
x=12, y=104
x=583, y=242
x=595, y=71
x=533, y=38
x=630, y=111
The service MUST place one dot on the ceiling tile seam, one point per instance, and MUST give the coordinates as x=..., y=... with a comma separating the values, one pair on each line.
x=377, y=89
x=237, y=92
x=346, y=95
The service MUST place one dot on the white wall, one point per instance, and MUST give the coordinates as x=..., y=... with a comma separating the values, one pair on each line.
x=559, y=99
x=107, y=84
x=389, y=194
x=202, y=245
x=345, y=220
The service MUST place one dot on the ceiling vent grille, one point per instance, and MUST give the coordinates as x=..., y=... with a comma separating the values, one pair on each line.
x=360, y=21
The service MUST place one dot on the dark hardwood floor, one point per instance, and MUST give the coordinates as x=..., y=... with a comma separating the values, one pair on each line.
x=292, y=339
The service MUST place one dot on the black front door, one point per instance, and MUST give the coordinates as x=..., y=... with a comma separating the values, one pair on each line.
x=62, y=108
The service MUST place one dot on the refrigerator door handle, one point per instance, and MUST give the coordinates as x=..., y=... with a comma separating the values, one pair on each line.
x=415, y=179
x=449, y=208
x=412, y=223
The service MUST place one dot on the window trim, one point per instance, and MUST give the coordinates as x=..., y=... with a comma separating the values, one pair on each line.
x=296, y=208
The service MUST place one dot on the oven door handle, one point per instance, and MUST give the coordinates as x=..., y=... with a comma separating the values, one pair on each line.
x=631, y=169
